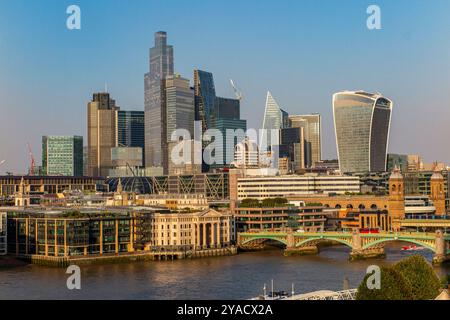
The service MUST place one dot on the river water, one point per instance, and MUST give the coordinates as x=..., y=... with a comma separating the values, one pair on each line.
x=236, y=277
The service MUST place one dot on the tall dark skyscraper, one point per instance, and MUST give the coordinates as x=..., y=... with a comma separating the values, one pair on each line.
x=205, y=97
x=161, y=66
x=130, y=129
x=218, y=113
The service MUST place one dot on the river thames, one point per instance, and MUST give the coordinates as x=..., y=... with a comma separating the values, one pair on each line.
x=233, y=277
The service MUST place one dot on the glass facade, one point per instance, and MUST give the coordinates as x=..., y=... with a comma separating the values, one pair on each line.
x=130, y=129
x=161, y=66
x=361, y=123
x=312, y=125
x=274, y=118
x=233, y=132
x=226, y=108
x=179, y=105
x=205, y=97
x=62, y=155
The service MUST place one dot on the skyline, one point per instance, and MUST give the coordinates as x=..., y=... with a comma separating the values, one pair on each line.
x=59, y=70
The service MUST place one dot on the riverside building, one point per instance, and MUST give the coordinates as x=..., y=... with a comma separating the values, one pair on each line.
x=88, y=232
x=290, y=185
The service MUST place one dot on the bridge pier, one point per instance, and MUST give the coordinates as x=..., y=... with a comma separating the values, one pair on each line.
x=372, y=253
x=442, y=245
x=358, y=253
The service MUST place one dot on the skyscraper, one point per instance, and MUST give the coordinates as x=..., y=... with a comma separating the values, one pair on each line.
x=275, y=118
x=292, y=147
x=62, y=155
x=179, y=105
x=218, y=113
x=130, y=129
x=102, y=133
x=226, y=119
x=161, y=66
x=205, y=98
x=362, y=121
x=312, y=125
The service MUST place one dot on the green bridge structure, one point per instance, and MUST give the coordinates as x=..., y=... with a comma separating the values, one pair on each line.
x=362, y=245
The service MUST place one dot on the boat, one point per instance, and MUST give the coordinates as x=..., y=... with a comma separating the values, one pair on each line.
x=412, y=248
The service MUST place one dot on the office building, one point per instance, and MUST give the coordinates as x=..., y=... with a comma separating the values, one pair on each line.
x=185, y=157
x=88, y=232
x=218, y=113
x=282, y=186
x=397, y=160
x=280, y=218
x=233, y=132
x=126, y=156
x=274, y=119
x=130, y=129
x=37, y=185
x=246, y=154
x=292, y=147
x=205, y=98
x=362, y=121
x=161, y=66
x=415, y=162
x=227, y=108
x=178, y=101
x=62, y=155
x=312, y=126
x=101, y=133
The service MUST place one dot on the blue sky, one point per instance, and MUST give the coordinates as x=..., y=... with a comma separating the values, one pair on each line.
x=302, y=51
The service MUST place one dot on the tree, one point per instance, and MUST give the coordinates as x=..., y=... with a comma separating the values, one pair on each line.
x=274, y=202
x=420, y=276
x=249, y=202
x=393, y=287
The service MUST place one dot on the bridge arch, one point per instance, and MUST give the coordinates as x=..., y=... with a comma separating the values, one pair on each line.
x=417, y=242
x=263, y=238
x=312, y=239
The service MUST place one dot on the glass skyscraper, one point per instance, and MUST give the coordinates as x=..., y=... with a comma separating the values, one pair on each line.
x=312, y=125
x=161, y=66
x=130, y=129
x=62, y=155
x=218, y=113
x=275, y=118
x=362, y=121
x=205, y=97
x=227, y=108
x=179, y=105
x=233, y=132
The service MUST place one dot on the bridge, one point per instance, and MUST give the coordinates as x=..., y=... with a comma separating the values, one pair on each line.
x=362, y=245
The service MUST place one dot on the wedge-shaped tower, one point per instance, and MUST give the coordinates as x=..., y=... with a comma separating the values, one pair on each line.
x=274, y=118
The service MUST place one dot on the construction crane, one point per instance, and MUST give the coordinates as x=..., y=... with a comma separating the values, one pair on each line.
x=32, y=162
x=237, y=92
